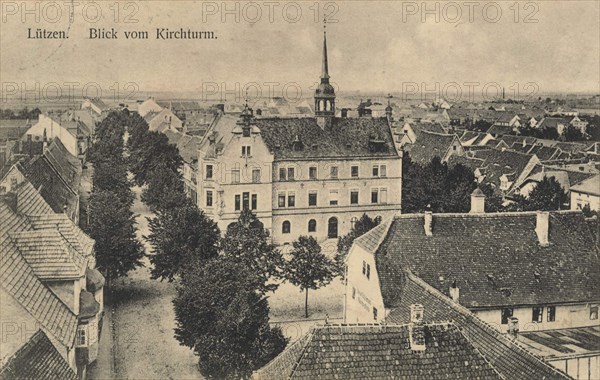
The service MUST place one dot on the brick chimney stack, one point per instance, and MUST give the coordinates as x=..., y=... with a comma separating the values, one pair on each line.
x=542, y=226
x=477, y=202
x=454, y=292
x=428, y=223
x=416, y=332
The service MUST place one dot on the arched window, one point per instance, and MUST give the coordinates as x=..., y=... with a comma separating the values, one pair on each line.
x=377, y=219
x=321, y=105
x=353, y=222
x=286, y=227
x=332, y=228
x=312, y=225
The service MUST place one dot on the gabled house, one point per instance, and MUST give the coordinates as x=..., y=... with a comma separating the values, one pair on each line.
x=95, y=105
x=430, y=144
x=586, y=193
x=163, y=120
x=48, y=129
x=513, y=271
x=147, y=106
x=504, y=169
x=48, y=278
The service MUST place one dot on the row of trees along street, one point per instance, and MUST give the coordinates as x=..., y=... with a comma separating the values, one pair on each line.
x=112, y=224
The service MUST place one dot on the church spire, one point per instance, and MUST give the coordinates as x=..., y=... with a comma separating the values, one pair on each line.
x=324, y=94
x=325, y=68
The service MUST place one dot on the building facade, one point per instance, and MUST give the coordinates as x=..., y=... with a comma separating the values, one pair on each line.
x=301, y=175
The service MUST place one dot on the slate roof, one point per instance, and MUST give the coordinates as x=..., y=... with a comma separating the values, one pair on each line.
x=378, y=352
x=187, y=145
x=558, y=343
x=502, y=162
x=347, y=137
x=19, y=280
x=495, y=259
x=13, y=129
x=56, y=175
x=428, y=145
x=545, y=153
x=505, y=355
x=500, y=130
x=37, y=359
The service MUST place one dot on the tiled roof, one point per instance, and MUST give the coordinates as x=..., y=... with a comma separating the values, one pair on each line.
x=545, y=153
x=495, y=259
x=581, y=341
x=56, y=176
x=588, y=186
x=498, y=162
x=505, y=355
x=29, y=201
x=19, y=280
x=384, y=351
x=37, y=359
x=187, y=145
x=371, y=241
x=49, y=254
x=500, y=130
x=347, y=137
x=429, y=145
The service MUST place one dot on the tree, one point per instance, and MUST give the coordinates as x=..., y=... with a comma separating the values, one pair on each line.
x=362, y=226
x=247, y=241
x=221, y=316
x=165, y=189
x=308, y=267
x=548, y=195
x=572, y=133
x=112, y=226
x=111, y=175
x=181, y=236
x=152, y=150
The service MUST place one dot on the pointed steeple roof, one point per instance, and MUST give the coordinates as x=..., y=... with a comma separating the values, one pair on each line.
x=325, y=67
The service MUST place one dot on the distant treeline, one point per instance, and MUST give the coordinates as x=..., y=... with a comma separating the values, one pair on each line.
x=24, y=114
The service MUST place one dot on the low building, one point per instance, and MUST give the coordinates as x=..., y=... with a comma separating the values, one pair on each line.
x=586, y=193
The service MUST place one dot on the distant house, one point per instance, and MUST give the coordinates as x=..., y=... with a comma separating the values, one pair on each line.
x=163, y=120
x=95, y=105
x=430, y=144
x=520, y=272
x=49, y=128
x=586, y=193
x=188, y=149
x=147, y=106
x=503, y=169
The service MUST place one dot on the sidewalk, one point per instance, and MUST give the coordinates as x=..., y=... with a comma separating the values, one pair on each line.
x=103, y=368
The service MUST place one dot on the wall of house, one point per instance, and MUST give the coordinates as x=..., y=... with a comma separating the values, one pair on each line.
x=362, y=294
x=581, y=368
x=567, y=316
x=328, y=189
x=579, y=200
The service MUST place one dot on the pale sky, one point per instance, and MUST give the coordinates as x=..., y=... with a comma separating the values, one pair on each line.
x=374, y=46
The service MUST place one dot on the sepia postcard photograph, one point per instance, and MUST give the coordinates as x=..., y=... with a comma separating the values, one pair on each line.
x=308, y=189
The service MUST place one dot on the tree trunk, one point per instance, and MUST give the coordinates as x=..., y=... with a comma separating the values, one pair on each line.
x=306, y=305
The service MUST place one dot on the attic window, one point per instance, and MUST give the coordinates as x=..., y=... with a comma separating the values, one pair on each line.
x=490, y=277
x=536, y=274
x=315, y=146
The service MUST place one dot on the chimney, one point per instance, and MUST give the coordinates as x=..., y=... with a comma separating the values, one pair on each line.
x=513, y=326
x=428, y=223
x=416, y=329
x=477, y=202
x=10, y=198
x=542, y=226
x=454, y=292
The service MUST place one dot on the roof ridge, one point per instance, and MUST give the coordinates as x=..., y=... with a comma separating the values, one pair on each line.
x=308, y=338
x=484, y=215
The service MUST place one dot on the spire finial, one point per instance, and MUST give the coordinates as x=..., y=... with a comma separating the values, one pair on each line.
x=325, y=69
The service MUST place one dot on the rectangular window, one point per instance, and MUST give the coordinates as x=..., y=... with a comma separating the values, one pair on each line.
x=312, y=172
x=353, y=292
x=291, y=200
x=290, y=174
x=383, y=195
x=551, y=313
x=209, y=171
x=375, y=170
x=374, y=195
x=368, y=274
x=312, y=199
x=354, y=197
x=235, y=176
x=593, y=312
x=333, y=172
x=333, y=197
x=256, y=175
x=209, y=199
x=282, y=176
x=254, y=201
x=246, y=200
x=354, y=171
x=374, y=314
x=537, y=315
x=246, y=151
x=81, y=336
x=237, y=202
x=281, y=200
x=383, y=171
x=505, y=315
